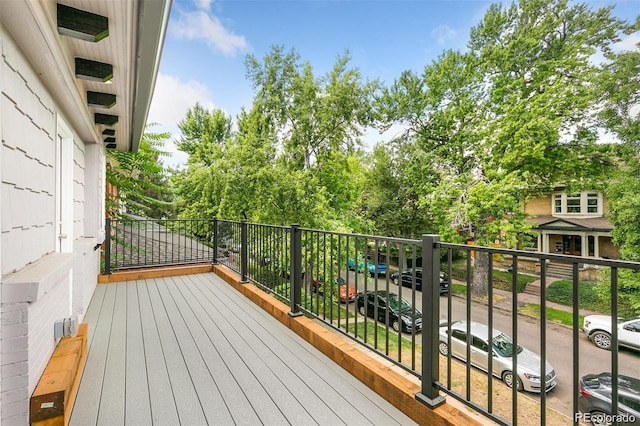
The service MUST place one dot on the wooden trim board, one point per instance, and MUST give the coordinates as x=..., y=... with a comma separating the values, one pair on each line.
x=159, y=272
x=52, y=400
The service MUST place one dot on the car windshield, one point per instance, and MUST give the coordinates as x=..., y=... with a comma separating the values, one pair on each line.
x=503, y=345
x=396, y=304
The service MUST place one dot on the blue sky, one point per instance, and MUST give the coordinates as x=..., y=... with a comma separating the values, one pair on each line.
x=207, y=42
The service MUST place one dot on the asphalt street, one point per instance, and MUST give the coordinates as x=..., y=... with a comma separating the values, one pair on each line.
x=559, y=339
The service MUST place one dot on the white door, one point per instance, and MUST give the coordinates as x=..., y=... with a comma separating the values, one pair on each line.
x=64, y=188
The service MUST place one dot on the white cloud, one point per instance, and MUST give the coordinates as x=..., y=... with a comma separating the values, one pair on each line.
x=204, y=4
x=628, y=43
x=443, y=34
x=198, y=25
x=171, y=100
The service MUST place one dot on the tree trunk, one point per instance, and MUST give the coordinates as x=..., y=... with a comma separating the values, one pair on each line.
x=480, y=282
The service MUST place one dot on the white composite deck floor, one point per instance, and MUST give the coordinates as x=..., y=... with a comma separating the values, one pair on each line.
x=191, y=350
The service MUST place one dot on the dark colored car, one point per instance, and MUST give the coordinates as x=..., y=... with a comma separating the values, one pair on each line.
x=401, y=314
x=406, y=278
x=594, y=399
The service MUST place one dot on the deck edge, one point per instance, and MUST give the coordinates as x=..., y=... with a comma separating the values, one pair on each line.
x=393, y=387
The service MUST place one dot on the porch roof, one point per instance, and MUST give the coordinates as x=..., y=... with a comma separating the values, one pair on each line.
x=548, y=222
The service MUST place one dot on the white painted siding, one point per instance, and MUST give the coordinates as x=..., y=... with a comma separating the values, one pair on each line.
x=78, y=188
x=38, y=285
x=28, y=156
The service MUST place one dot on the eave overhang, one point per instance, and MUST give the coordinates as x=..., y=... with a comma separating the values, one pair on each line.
x=132, y=47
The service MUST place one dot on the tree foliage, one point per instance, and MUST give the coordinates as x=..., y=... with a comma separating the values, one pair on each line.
x=140, y=178
x=481, y=132
x=294, y=157
x=496, y=121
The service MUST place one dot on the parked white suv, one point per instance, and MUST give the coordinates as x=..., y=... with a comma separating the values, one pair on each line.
x=598, y=329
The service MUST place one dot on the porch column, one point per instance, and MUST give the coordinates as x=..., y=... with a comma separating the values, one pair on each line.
x=545, y=242
x=585, y=245
x=596, y=245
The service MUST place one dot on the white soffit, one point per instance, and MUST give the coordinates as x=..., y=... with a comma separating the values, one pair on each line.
x=133, y=47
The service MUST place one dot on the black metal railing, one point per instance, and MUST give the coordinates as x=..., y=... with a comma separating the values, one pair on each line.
x=136, y=243
x=345, y=279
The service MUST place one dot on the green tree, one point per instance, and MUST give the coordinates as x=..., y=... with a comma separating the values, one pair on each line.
x=495, y=121
x=395, y=180
x=204, y=137
x=620, y=113
x=204, y=134
x=143, y=185
x=315, y=126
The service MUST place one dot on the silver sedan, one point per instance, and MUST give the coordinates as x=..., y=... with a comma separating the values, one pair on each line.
x=529, y=363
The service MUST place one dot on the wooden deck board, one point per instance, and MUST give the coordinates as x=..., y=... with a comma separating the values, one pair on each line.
x=301, y=404
x=163, y=406
x=272, y=376
x=137, y=404
x=209, y=394
x=184, y=393
x=85, y=409
x=111, y=409
x=198, y=352
x=239, y=407
x=312, y=368
x=261, y=401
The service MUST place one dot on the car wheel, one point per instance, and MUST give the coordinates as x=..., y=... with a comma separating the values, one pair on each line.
x=443, y=348
x=363, y=311
x=599, y=418
x=395, y=325
x=507, y=378
x=372, y=274
x=601, y=339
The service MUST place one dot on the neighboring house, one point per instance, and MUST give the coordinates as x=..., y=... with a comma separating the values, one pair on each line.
x=572, y=224
x=76, y=78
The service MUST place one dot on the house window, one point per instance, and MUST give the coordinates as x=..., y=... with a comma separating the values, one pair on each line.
x=580, y=203
x=592, y=203
x=573, y=203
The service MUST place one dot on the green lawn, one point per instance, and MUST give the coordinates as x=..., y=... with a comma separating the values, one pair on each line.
x=562, y=292
x=403, y=343
x=553, y=315
x=501, y=279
